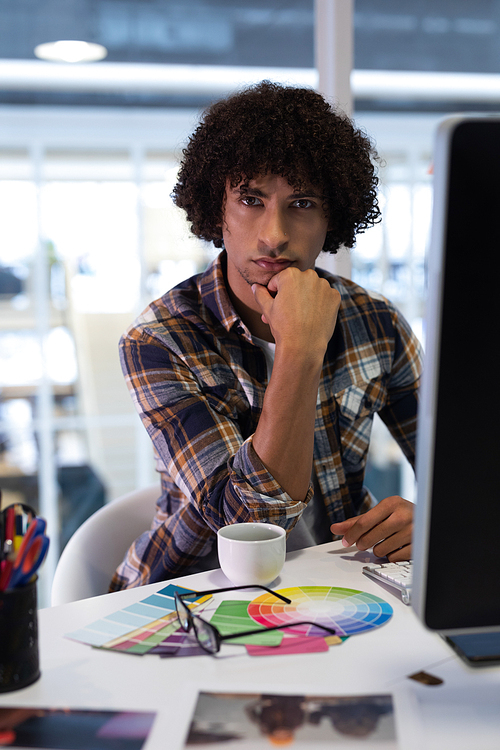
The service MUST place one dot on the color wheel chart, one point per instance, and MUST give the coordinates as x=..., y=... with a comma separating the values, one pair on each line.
x=348, y=611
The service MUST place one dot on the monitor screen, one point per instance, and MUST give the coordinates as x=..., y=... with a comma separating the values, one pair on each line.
x=456, y=544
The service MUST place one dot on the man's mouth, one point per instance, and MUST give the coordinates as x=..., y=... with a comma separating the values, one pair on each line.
x=275, y=265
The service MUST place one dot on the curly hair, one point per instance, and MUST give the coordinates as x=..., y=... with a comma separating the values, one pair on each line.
x=291, y=132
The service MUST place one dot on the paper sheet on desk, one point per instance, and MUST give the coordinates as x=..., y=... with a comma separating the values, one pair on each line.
x=295, y=645
x=232, y=617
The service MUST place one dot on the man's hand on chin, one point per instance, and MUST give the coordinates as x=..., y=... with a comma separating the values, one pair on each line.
x=300, y=307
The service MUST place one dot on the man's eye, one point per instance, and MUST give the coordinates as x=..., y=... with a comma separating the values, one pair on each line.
x=303, y=203
x=250, y=200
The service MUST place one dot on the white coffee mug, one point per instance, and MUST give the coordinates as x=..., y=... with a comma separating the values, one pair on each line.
x=251, y=552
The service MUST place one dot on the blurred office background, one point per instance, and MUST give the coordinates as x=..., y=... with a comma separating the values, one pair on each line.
x=88, y=234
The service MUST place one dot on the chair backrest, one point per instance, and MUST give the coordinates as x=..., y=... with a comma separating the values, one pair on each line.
x=98, y=546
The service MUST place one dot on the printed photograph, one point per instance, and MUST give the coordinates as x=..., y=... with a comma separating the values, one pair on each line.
x=242, y=721
x=69, y=729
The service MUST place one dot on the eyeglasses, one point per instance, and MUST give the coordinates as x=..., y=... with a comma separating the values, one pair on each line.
x=207, y=635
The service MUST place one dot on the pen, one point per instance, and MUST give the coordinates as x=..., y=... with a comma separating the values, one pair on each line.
x=1, y=534
x=5, y=573
x=9, y=530
x=19, y=529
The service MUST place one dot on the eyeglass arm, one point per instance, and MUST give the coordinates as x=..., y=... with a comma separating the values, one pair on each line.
x=235, y=588
x=275, y=627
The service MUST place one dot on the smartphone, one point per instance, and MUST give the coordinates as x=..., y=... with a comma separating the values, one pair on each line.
x=477, y=649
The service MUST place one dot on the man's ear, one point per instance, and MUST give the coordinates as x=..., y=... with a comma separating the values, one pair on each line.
x=220, y=224
x=332, y=223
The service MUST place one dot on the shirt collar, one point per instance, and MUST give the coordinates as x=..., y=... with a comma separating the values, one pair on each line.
x=212, y=286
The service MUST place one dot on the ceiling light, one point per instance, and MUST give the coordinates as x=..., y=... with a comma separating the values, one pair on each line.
x=71, y=51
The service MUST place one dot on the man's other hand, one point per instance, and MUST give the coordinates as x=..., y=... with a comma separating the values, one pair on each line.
x=387, y=528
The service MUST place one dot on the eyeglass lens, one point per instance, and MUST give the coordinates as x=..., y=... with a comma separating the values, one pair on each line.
x=206, y=635
x=183, y=614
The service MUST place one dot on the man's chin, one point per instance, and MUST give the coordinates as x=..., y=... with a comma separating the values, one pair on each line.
x=262, y=279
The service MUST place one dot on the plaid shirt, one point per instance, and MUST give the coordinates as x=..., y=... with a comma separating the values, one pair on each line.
x=198, y=383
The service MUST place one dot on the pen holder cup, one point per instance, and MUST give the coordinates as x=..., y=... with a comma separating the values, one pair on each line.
x=19, y=665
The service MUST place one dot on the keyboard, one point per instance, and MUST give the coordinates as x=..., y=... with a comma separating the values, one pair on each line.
x=397, y=574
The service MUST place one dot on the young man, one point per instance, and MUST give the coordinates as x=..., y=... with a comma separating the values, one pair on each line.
x=258, y=379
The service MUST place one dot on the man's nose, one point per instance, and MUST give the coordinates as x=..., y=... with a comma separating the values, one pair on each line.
x=273, y=229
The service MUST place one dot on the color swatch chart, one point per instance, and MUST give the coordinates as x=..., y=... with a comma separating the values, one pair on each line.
x=348, y=611
x=137, y=628
x=151, y=626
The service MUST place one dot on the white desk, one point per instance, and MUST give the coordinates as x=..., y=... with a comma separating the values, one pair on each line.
x=462, y=713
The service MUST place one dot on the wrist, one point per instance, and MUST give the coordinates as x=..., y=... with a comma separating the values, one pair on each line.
x=291, y=353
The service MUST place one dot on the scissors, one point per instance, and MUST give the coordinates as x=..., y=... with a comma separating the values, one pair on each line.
x=31, y=554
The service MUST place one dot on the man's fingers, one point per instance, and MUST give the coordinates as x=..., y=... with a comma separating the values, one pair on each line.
x=401, y=554
x=391, y=543
x=342, y=527
x=263, y=299
x=391, y=527
x=273, y=284
x=387, y=528
x=261, y=294
x=357, y=529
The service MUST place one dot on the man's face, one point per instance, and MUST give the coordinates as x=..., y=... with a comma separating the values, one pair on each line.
x=267, y=226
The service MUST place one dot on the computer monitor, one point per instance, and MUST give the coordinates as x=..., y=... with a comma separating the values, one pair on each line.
x=456, y=544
